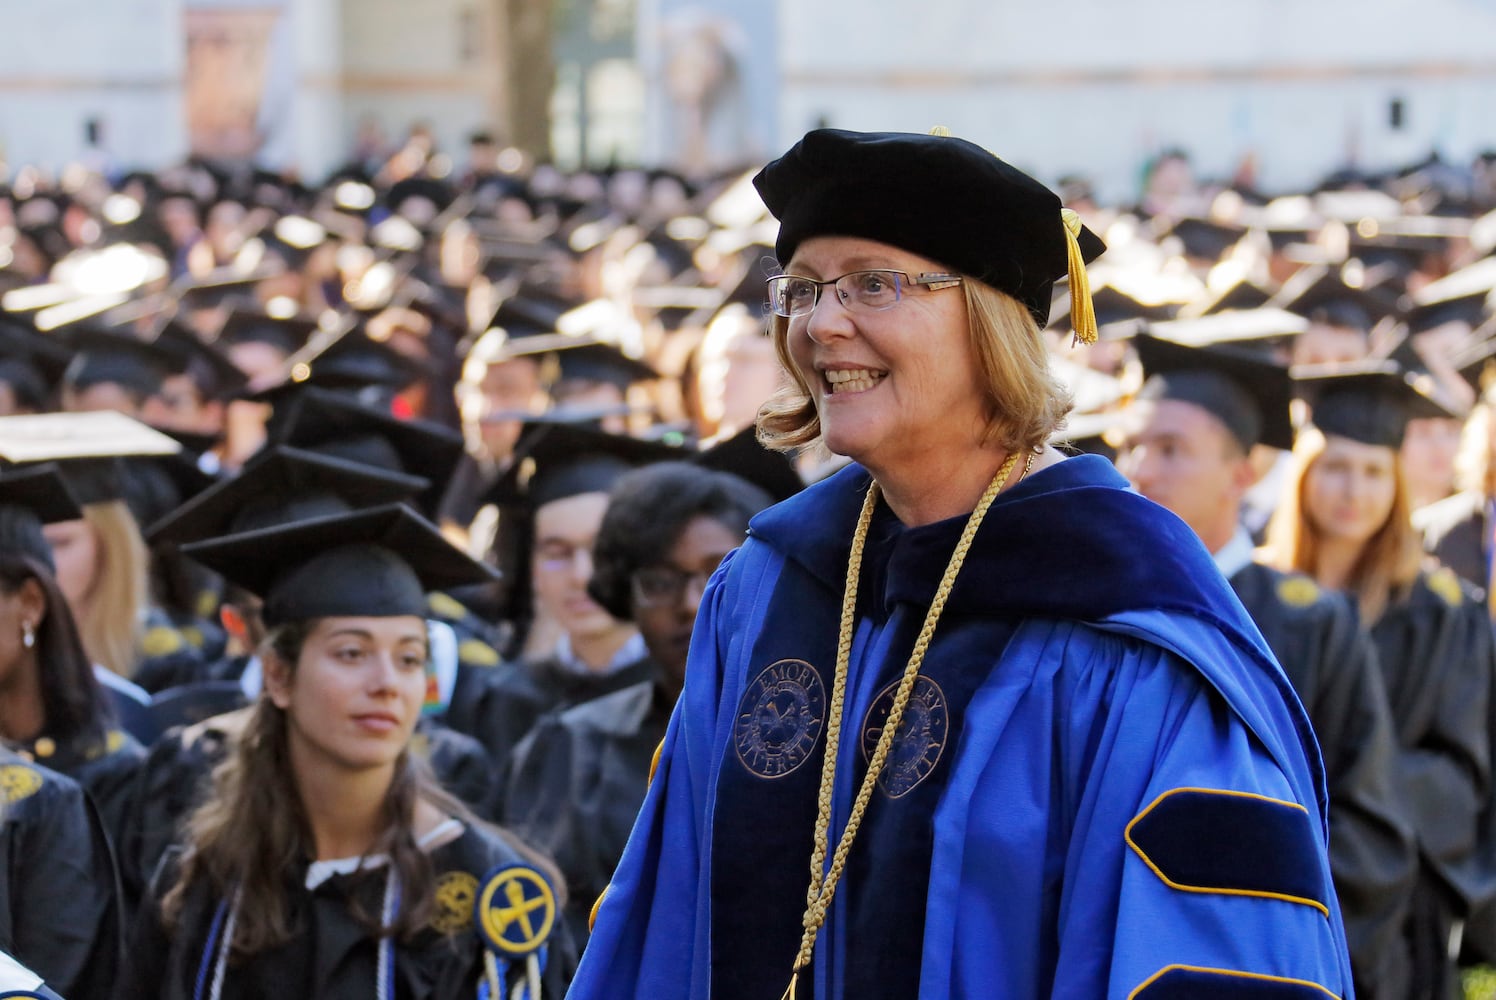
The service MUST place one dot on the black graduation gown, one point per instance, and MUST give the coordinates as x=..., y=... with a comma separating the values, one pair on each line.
x=1456, y=532
x=176, y=776
x=497, y=707
x=59, y=906
x=106, y=768
x=561, y=689
x=1331, y=663
x=1436, y=651
x=576, y=783
x=332, y=955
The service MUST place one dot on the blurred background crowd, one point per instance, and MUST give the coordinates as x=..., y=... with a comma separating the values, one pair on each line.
x=549, y=336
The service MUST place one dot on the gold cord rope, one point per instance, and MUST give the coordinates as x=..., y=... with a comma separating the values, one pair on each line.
x=823, y=888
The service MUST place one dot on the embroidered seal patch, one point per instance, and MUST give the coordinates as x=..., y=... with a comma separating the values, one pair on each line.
x=515, y=910
x=917, y=745
x=455, y=894
x=780, y=718
x=18, y=781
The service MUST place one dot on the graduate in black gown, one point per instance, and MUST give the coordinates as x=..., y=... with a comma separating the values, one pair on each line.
x=59, y=911
x=573, y=650
x=576, y=782
x=1344, y=520
x=1189, y=436
x=279, y=486
x=59, y=908
x=328, y=863
x=52, y=709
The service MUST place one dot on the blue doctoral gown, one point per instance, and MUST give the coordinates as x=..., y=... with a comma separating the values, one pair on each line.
x=1129, y=798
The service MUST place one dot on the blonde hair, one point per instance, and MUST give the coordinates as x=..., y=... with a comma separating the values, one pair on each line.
x=1389, y=560
x=1025, y=402
x=110, y=619
x=1473, y=468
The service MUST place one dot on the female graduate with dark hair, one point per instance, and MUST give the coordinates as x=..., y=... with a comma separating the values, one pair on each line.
x=328, y=863
x=52, y=708
x=59, y=911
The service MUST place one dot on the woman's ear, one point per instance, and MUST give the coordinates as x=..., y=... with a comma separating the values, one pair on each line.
x=33, y=602
x=277, y=673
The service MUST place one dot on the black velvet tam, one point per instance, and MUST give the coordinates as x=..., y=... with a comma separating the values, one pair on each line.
x=1370, y=402
x=378, y=562
x=279, y=486
x=555, y=460
x=937, y=196
x=1245, y=392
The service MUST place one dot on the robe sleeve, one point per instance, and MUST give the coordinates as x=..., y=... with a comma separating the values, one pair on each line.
x=1146, y=835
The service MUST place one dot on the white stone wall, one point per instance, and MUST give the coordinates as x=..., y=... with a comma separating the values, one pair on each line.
x=63, y=62
x=1096, y=87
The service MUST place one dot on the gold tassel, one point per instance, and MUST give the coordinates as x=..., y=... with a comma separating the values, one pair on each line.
x=940, y=130
x=1082, y=313
x=789, y=994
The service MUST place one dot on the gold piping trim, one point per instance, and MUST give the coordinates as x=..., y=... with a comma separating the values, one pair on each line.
x=1212, y=891
x=1226, y=972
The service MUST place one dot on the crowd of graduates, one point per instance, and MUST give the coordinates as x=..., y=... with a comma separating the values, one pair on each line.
x=233, y=407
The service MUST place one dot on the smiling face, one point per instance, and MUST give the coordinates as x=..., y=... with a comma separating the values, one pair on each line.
x=1350, y=489
x=892, y=388
x=355, y=695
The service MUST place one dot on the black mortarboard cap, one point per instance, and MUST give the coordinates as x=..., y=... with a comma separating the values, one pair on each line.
x=88, y=448
x=279, y=486
x=30, y=498
x=1324, y=295
x=438, y=192
x=555, y=460
x=245, y=327
x=355, y=361
x=101, y=356
x=31, y=364
x=1205, y=239
x=219, y=290
x=378, y=562
x=1467, y=295
x=937, y=196
x=743, y=456
x=1370, y=402
x=215, y=375
x=333, y=424
x=596, y=361
x=1246, y=393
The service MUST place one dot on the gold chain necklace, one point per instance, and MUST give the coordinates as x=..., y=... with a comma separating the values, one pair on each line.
x=823, y=887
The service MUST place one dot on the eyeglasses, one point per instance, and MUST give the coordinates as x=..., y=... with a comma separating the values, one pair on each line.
x=658, y=586
x=860, y=291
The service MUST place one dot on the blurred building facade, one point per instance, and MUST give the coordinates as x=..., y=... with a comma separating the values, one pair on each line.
x=1097, y=87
